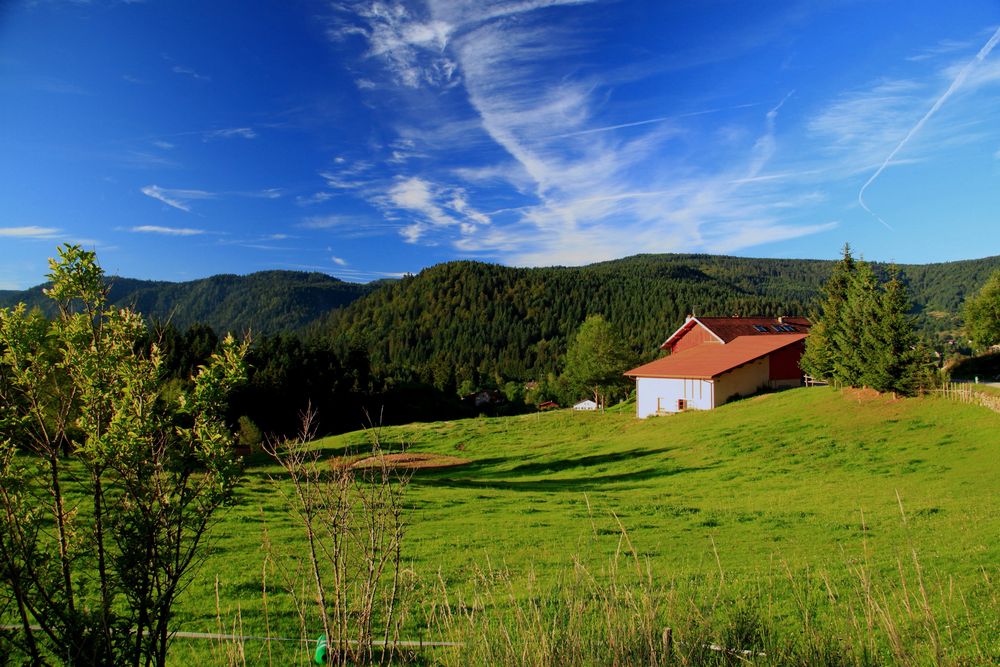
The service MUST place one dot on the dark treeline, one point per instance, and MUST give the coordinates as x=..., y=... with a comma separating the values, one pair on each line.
x=289, y=373
x=409, y=349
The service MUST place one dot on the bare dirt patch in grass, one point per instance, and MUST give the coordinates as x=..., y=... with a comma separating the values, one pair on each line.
x=861, y=394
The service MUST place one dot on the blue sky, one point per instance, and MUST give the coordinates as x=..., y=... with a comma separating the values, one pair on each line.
x=368, y=139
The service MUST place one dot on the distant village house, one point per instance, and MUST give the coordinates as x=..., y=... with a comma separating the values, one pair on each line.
x=715, y=359
x=585, y=405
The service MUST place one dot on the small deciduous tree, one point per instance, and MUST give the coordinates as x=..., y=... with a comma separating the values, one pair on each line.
x=982, y=314
x=95, y=548
x=595, y=359
x=351, y=513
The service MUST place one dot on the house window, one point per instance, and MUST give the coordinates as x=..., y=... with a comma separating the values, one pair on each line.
x=682, y=404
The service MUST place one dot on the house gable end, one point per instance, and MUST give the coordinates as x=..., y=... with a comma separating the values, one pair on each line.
x=693, y=332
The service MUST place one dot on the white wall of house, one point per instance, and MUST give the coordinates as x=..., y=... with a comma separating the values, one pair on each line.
x=742, y=381
x=660, y=395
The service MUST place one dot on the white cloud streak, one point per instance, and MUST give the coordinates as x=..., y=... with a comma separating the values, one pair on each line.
x=231, y=133
x=586, y=190
x=177, y=198
x=29, y=232
x=956, y=83
x=187, y=71
x=180, y=198
x=167, y=231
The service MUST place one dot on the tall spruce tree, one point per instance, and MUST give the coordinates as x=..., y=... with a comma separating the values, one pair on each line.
x=864, y=336
x=822, y=346
x=895, y=359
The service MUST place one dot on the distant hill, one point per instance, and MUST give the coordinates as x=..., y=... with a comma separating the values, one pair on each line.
x=265, y=303
x=477, y=321
x=471, y=320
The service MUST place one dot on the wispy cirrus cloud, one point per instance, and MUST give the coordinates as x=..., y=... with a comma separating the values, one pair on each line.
x=410, y=43
x=176, y=197
x=430, y=206
x=231, y=133
x=267, y=193
x=588, y=185
x=351, y=226
x=888, y=123
x=956, y=83
x=594, y=190
x=30, y=232
x=180, y=198
x=188, y=72
x=347, y=175
x=314, y=198
x=167, y=231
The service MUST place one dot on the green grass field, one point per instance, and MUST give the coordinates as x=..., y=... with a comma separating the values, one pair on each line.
x=780, y=495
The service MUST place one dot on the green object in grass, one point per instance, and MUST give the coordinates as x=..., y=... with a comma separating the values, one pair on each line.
x=321, y=648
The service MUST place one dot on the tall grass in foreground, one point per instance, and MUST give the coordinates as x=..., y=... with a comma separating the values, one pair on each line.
x=620, y=612
x=624, y=615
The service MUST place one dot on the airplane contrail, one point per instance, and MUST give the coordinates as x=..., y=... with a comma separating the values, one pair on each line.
x=659, y=119
x=955, y=84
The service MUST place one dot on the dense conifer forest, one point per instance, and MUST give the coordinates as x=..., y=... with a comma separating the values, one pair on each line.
x=404, y=350
x=472, y=321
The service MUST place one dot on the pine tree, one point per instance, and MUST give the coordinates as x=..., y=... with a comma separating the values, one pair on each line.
x=864, y=336
x=893, y=357
x=822, y=346
x=857, y=339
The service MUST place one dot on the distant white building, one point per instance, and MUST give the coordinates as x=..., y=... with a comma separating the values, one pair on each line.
x=585, y=405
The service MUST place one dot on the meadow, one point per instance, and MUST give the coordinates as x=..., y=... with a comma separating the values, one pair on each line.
x=870, y=521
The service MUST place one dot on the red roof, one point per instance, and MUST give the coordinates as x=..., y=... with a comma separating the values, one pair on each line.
x=727, y=329
x=708, y=361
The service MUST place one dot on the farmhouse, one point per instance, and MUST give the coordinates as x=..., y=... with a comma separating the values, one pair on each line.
x=714, y=359
x=585, y=405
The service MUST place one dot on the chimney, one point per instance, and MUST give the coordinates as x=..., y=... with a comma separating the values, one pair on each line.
x=781, y=319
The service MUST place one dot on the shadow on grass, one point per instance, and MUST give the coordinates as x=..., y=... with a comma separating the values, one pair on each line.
x=550, y=485
x=488, y=473
x=479, y=468
x=542, y=467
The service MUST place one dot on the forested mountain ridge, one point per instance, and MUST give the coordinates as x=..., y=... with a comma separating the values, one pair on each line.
x=473, y=321
x=264, y=303
x=480, y=322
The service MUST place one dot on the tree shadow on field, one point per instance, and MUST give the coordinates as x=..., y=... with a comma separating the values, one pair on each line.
x=542, y=467
x=486, y=468
x=550, y=485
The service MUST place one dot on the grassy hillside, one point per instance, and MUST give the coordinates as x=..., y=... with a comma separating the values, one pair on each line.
x=781, y=496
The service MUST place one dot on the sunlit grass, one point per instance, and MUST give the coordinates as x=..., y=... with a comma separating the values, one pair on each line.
x=772, y=497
